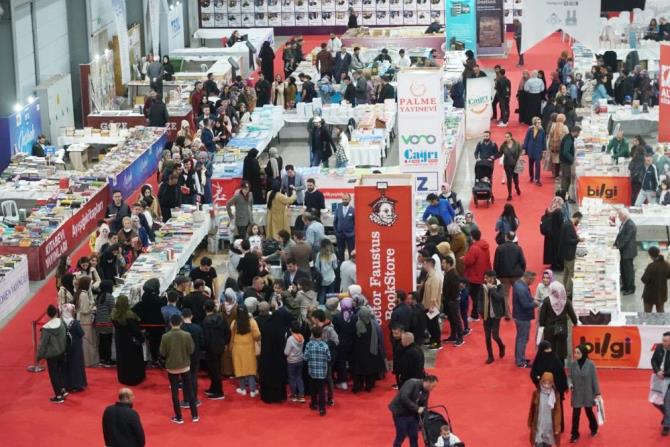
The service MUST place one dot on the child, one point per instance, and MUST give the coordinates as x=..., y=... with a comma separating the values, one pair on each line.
x=294, y=359
x=463, y=293
x=255, y=238
x=317, y=356
x=447, y=438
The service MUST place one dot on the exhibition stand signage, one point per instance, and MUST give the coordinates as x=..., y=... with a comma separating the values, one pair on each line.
x=478, y=110
x=19, y=131
x=420, y=123
x=385, y=234
x=619, y=346
x=578, y=18
x=664, y=95
x=490, y=27
x=14, y=288
x=461, y=25
x=134, y=176
x=615, y=190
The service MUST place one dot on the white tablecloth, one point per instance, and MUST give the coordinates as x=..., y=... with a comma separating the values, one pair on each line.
x=14, y=287
x=366, y=154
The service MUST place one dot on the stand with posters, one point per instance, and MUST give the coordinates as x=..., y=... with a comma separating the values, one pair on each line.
x=461, y=25
x=490, y=28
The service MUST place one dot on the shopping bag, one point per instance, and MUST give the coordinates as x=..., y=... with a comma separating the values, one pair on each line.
x=520, y=165
x=540, y=335
x=657, y=389
x=600, y=410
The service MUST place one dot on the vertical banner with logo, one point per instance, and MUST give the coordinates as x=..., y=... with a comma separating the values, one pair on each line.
x=122, y=33
x=420, y=122
x=384, y=243
x=578, y=18
x=478, y=110
x=490, y=26
x=461, y=25
x=664, y=95
x=154, y=24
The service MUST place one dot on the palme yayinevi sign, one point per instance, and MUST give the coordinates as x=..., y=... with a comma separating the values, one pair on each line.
x=420, y=122
x=578, y=18
x=478, y=109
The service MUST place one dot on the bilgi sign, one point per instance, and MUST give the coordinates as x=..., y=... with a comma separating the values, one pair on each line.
x=420, y=121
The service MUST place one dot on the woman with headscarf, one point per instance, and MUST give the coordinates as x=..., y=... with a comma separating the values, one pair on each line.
x=229, y=314
x=149, y=312
x=521, y=97
x=102, y=239
x=276, y=218
x=75, y=373
x=542, y=290
x=546, y=360
x=128, y=340
x=66, y=290
x=267, y=57
x=85, y=306
x=545, y=418
x=104, y=304
x=251, y=172
x=151, y=203
x=168, y=69
x=554, y=314
x=366, y=353
x=584, y=387
x=245, y=336
x=459, y=245
x=558, y=130
x=272, y=367
x=345, y=325
x=550, y=227
x=274, y=166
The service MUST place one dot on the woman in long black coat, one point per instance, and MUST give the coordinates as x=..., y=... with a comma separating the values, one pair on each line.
x=550, y=227
x=345, y=326
x=129, y=339
x=267, y=57
x=272, y=369
x=75, y=372
x=546, y=360
x=366, y=353
x=251, y=172
x=149, y=312
x=554, y=314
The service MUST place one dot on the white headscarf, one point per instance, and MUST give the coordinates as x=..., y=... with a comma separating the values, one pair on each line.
x=557, y=297
x=67, y=313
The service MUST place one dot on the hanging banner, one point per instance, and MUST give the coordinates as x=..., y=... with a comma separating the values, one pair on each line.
x=19, y=131
x=122, y=34
x=578, y=18
x=420, y=122
x=490, y=27
x=461, y=25
x=385, y=237
x=154, y=25
x=478, y=110
x=664, y=95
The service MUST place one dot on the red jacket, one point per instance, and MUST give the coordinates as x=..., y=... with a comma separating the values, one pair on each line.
x=196, y=100
x=477, y=262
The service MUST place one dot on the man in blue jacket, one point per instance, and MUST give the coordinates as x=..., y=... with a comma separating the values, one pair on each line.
x=534, y=145
x=439, y=208
x=523, y=313
x=344, y=227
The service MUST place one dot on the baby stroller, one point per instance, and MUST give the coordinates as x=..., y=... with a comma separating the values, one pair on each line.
x=483, y=189
x=431, y=422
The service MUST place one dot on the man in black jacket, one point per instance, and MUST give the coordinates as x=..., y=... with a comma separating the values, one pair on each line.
x=349, y=91
x=410, y=361
x=314, y=198
x=195, y=301
x=158, y=113
x=386, y=92
x=116, y=211
x=450, y=301
x=509, y=264
x=199, y=342
x=321, y=144
x=626, y=242
x=660, y=363
x=567, y=159
x=402, y=312
x=217, y=337
x=408, y=406
x=121, y=424
x=503, y=88
x=567, y=249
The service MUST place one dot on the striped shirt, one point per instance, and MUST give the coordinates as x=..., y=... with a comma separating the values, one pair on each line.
x=317, y=356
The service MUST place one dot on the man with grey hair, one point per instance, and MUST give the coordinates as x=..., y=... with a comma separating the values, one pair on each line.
x=523, y=313
x=534, y=88
x=410, y=360
x=626, y=242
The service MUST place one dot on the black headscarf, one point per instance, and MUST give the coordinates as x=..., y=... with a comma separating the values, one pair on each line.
x=548, y=362
x=274, y=189
x=585, y=355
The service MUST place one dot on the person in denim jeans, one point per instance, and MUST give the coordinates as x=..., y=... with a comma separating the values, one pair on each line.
x=329, y=335
x=523, y=313
x=294, y=361
x=317, y=355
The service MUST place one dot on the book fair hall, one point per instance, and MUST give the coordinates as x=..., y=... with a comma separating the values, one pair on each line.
x=327, y=223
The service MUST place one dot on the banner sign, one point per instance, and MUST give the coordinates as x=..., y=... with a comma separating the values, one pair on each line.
x=122, y=34
x=385, y=235
x=578, y=18
x=14, y=288
x=664, y=95
x=619, y=346
x=136, y=174
x=19, y=131
x=154, y=25
x=478, y=110
x=420, y=122
x=615, y=190
x=461, y=24
x=490, y=26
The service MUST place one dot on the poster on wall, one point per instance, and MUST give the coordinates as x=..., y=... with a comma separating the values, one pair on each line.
x=578, y=18
x=490, y=26
x=461, y=31
x=423, y=17
x=478, y=110
x=420, y=123
x=664, y=95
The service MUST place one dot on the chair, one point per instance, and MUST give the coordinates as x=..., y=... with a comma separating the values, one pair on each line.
x=10, y=212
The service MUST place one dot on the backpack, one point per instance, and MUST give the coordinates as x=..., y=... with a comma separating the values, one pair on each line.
x=317, y=278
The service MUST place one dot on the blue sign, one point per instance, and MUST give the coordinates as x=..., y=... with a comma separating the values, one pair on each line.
x=19, y=131
x=461, y=24
x=136, y=174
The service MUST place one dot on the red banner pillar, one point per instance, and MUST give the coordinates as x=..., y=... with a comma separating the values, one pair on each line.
x=664, y=95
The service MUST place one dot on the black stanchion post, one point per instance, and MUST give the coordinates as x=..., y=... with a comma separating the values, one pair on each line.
x=36, y=367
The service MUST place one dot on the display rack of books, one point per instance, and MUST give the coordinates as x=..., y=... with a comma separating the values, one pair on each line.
x=14, y=288
x=596, y=278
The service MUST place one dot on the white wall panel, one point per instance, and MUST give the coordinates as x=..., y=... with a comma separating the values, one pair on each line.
x=53, y=52
x=24, y=51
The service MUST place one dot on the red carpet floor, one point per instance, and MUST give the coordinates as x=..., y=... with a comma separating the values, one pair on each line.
x=488, y=403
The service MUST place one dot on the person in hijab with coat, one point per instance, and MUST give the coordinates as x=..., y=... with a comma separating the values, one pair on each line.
x=274, y=166
x=149, y=312
x=129, y=339
x=104, y=303
x=251, y=172
x=229, y=314
x=366, y=352
x=85, y=306
x=272, y=367
x=277, y=211
x=584, y=387
x=345, y=325
x=554, y=314
x=75, y=373
x=546, y=360
x=550, y=227
x=244, y=337
x=545, y=417
x=267, y=57
x=66, y=290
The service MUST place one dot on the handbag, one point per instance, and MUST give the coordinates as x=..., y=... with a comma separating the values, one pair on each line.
x=520, y=165
x=500, y=237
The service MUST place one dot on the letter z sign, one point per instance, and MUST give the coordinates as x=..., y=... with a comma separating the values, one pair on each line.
x=426, y=182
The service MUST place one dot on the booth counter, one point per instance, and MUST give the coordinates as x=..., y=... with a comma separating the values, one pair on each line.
x=14, y=287
x=394, y=37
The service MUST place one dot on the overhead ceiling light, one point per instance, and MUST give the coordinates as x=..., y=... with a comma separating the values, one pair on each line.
x=18, y=107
